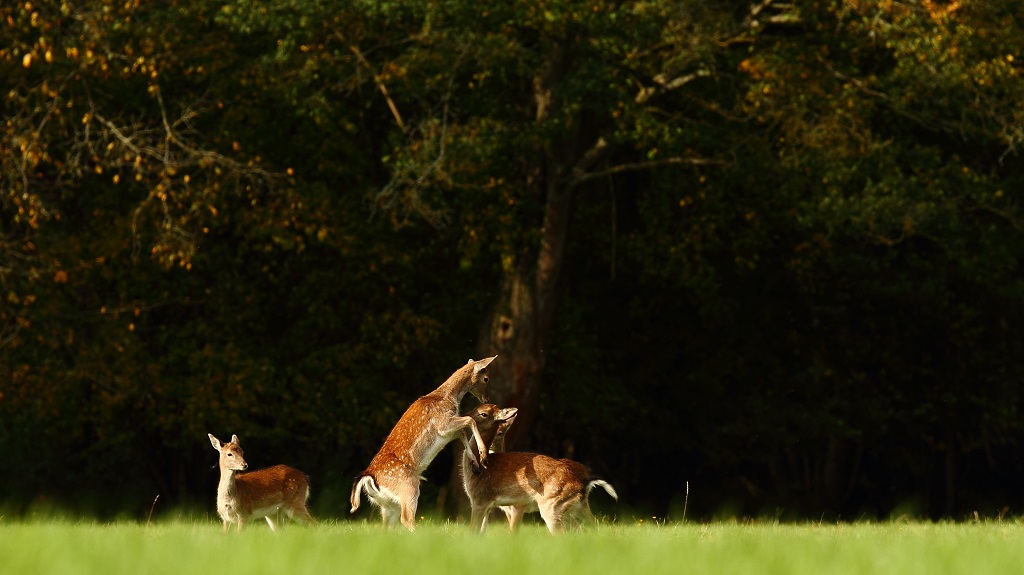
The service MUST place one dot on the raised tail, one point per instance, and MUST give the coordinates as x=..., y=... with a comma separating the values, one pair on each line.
x=604, y=484
x=362, y=483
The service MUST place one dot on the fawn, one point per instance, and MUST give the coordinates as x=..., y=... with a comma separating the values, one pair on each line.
x=262, y=493
x=522, y=482
x=392, y=481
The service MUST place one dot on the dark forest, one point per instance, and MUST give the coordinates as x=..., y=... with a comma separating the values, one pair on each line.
x=746, y=258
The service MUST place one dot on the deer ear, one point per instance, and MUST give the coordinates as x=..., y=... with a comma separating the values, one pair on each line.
x=482, y=364
x=234, y=439
x=214, y=441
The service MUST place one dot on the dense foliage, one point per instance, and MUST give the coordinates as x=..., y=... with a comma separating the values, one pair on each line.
x=784, y=240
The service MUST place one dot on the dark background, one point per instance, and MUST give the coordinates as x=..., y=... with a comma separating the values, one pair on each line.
x=771, y=252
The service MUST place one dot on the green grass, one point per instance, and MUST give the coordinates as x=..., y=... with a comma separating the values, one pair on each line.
x=183, y=547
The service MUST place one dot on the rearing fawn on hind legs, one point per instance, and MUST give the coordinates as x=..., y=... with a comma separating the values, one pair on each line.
x=392, y=481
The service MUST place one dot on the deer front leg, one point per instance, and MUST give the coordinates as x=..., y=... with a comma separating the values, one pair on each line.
x=478, y=516
x=457, y=424
x=482, y=460
x=273, y=521
x=514, y=514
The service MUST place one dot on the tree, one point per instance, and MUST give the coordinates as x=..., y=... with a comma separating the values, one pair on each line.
x=532, y=105
x=775, y=244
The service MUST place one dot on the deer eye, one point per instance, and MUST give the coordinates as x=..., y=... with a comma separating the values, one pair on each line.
x=486, y=379
x=485, y=415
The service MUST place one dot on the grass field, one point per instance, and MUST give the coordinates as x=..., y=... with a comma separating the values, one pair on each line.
x=184, y=547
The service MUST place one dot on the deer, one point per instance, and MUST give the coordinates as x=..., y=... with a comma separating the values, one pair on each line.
x=262, y=493
x=392, y=480
x=522, y=482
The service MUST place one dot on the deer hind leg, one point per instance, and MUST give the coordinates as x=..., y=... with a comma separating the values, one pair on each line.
x=552, y=516
x=584, y=513
x=388, y=502
x=406, y=492
x=296, y=510
x=409, y=504
x=578, y=514
x=296, y=500
x=556, y=510
x=389, y=513
x=302, y=513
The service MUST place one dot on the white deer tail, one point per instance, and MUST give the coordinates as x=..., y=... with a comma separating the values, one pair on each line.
x=604, y=484
x=363, y=483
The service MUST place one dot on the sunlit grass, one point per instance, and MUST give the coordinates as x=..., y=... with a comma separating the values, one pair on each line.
x=55, y=546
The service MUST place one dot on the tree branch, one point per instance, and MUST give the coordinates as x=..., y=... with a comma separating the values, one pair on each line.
x=380, y=85
x=663, y=85
x=646, y=165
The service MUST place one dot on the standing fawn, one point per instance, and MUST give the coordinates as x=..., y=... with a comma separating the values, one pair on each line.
x=519, y=483
x=392, y=481
x=262, y=493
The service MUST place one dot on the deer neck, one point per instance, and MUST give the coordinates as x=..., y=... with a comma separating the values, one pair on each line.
x=226, y=487
x=469, y=470
x=457, y=385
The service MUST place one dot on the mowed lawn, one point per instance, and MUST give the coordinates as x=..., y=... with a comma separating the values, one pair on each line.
x=183, y=547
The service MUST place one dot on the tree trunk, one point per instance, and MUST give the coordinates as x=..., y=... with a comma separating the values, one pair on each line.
x=514, y=332
x=518, y=325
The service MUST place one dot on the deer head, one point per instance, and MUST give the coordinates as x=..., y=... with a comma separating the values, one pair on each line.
x=231, y=454
x=480, y=378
